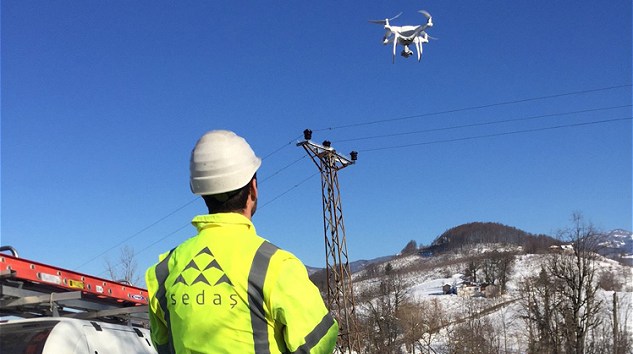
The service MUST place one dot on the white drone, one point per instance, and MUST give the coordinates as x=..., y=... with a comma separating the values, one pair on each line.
x=405, y=35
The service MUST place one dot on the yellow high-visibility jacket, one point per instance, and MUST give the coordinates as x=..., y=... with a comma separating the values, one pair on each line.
x=227, y=290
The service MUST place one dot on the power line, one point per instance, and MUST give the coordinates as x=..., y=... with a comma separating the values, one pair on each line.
x=394, y=147
x=291, y=142
x=164, y=237
x=365, y=150
x=187, y=224
x=180, y=208
x=283, y=168
x=260, y=207
x=483, y=124
x=370, y=150
x=138, y=232
x=287, y=191
x=154, y=243
x=498, y=134
x=474, y=107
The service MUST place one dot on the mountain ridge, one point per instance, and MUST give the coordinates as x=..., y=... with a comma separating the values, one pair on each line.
x=617, y=243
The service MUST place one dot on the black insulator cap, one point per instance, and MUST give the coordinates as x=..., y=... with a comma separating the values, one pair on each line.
x=327, y=143
x=307, y=134
x=354, y=155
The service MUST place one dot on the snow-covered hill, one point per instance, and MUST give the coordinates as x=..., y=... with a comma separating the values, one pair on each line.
x=618, y=245
x=424, y=280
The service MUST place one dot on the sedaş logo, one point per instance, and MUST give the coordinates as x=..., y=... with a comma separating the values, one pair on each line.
x=203, y=270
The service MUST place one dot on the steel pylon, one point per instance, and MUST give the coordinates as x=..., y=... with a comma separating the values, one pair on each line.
x=340, y=294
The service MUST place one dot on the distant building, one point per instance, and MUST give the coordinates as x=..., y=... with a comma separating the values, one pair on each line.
x=562, y=248
x=469, y=290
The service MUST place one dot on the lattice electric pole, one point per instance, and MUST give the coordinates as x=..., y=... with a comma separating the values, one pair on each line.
x=340, y=294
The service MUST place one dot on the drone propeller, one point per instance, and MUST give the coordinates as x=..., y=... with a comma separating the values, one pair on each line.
x=425, y=13
x=385, y=21
x=395, y=17
x=429, y=18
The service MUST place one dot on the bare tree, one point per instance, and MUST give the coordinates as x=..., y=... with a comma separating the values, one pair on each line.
x=435, y=318
x=540, y=301
x=473, y=266
x=506, y=326
x=561, y=303
x=577, y=284
x=126, y=269
x=381, y=307
x=496, y=268
x=411, y=316
x=610, y=281
x=474, y=335
x=622, y=338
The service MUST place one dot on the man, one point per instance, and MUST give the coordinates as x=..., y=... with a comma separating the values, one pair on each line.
x=227, y=290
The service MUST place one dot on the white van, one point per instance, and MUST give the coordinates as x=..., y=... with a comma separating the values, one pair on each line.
x=49, y=310
x=62, y=335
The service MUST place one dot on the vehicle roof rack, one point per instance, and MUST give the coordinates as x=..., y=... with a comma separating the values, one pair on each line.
x=31, y=289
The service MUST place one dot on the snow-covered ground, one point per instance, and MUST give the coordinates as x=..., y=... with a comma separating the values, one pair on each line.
x=425, y=276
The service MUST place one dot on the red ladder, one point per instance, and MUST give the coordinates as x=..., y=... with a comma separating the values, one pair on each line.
x=27, y=287
x=36, y=272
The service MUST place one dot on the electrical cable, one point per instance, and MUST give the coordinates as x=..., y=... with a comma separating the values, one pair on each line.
x=283, y=168
x=473, y=107
x=402, y=146
x=138, y=232
x=281, y=147
x=291, y=188
x=182, y=207
x=482, y=124
x=260, y=208
x=497, y=134
x=164, y=237
x=379, y=149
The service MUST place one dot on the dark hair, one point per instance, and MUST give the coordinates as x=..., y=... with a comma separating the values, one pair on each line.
x=233, y=201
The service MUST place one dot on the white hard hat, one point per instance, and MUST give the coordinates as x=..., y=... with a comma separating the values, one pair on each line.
x=221, y=162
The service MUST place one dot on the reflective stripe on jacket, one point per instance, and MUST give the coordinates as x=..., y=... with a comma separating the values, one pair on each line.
x=228, y=290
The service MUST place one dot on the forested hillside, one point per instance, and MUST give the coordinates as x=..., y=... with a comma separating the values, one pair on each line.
x=489, y=232
x=489, y=288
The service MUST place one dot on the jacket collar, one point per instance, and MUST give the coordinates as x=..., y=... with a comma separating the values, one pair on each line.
x=201, y=222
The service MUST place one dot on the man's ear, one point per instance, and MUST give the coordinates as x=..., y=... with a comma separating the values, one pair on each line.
x=253, y=189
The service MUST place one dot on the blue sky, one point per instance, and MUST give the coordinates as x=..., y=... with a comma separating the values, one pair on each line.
x=519, y=113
